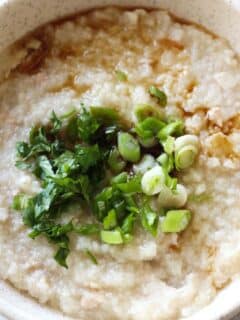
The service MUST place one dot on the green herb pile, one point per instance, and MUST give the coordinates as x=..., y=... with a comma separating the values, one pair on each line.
x=118, y=173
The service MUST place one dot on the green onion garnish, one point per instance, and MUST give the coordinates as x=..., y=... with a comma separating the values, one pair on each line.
x=128, y=147
x=91, y=256
x=116, y=163
x=168, y=198
x=176, y=221
x=110, y=221
x=121, y=76
x=153, y=181
x=143, y=111
x=185, y=157
x=111, y=237
x=160, y=95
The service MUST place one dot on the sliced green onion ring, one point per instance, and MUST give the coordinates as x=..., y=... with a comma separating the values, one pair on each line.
x=132, y=186
x=128, y=147
x=176, y=221
x=147, y=162
x=111, y=237
x=186, y=140
x=185, y=157
x=115, y=161
x=152, y=124
x=166, y=161
x=120, y=178
x=153, y=181
x=148, y=142
x=174, y=128
x=143, y=111
x=160, y=95
x=110, y=221
x=168, y=145
x=172, y=199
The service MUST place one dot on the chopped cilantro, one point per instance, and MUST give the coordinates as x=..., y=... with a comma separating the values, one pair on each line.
x=56, y=123
x=91, y=256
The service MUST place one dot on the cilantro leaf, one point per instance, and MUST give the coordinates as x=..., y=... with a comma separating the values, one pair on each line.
x=61, y=256
x=56, y=123
x=87, y=125
x=91, y=256
x=45, y=168
x=23, y=150
x=44, y=200
x=87, y=156
x=87, y=229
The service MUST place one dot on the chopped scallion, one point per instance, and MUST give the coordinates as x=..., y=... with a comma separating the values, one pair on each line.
x=115, y=161
x=121, y=76
x=185, y=157
x=153, y=181
x=143, y=111
x=186, y=140
x=128, y=147
x=174, y=128
x=104, y=115
x=176, y=221
x=111, y=237
x=91, y=256
x=160, y=95
x=168, y=198
x=110, y=221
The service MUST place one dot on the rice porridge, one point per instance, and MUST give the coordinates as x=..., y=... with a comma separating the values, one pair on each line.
x=73, y=61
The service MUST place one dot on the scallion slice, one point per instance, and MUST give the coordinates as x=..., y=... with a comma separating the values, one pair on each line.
x=115, y=161
x=132, y=186
x=147, y=162
x=168, y=145
x=176, y=221
x=110, y=221
x=174, y=128
x=168, y=198
x=186, y=140
x=111, y=237
x=143, y=111
x=104, y=115
x=128, y=147
x=185, y=157
x=148, y=142
x=153, y=181
x=121, y=76
x=120, y=178
x=160, y=95
x=166, y=161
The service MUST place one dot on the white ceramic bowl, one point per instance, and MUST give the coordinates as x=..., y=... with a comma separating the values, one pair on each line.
x=17, y=17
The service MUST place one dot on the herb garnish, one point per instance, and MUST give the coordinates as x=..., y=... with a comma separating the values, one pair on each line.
x=80, y=157
x=91, y=256
x=120, y=75
x=159, y=94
